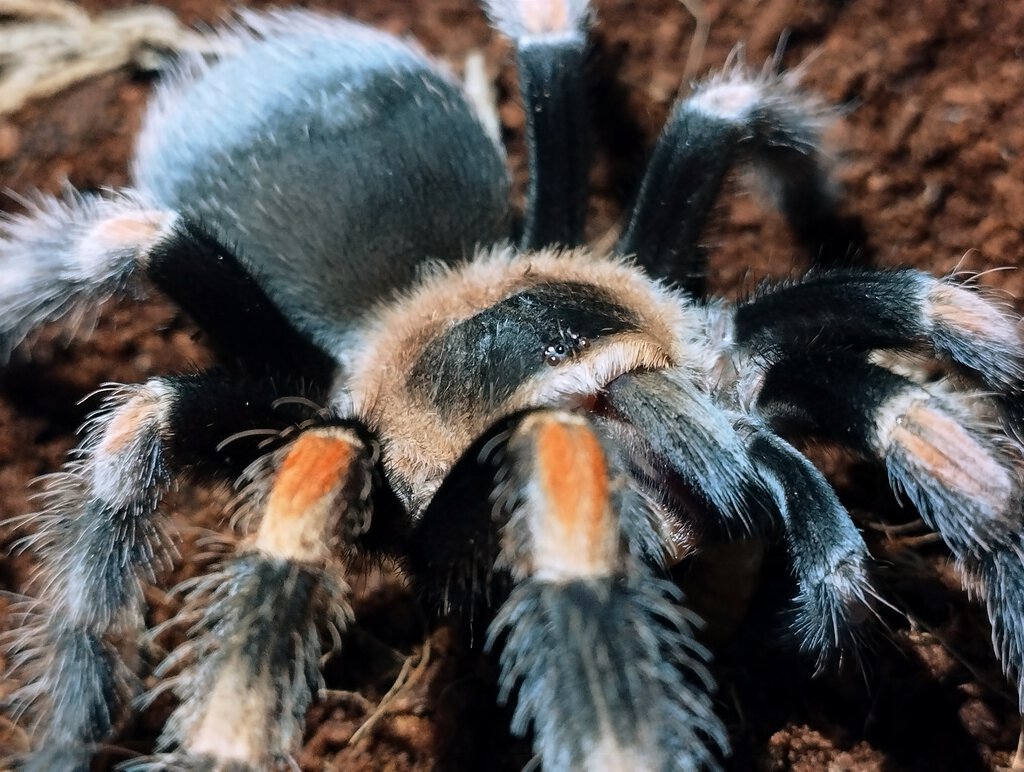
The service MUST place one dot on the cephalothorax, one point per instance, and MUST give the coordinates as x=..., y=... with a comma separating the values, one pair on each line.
x=523, y=422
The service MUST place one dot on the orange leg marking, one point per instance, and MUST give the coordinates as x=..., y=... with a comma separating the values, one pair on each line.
x=303, y=505
x=575, y=533
x=544, y=16
x=944, y=450
x=315, y=466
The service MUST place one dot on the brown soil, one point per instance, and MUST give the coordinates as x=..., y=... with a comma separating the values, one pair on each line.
x=929, y=147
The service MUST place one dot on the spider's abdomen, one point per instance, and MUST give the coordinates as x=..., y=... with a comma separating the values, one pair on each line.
x=334, y=157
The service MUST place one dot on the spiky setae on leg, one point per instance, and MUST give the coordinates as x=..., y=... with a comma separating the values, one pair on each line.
x=737, y=116
x=603, y=660
x=922, y=374
x=99, y=537
x=541, y=519
x=830, y=560
x=252, y=663
x=65, y=256
x=754, y=483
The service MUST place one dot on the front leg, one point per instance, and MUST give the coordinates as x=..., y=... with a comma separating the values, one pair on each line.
x=99, y=537
x=753, y=482
x=603, y=661
x=251, y=665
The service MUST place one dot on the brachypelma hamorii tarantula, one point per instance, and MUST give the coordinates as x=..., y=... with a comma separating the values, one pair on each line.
x=534, y=430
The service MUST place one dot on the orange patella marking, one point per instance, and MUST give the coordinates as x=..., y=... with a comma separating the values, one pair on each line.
x=574, y=479
x=543, y=16
x=315, y=466
x=132, y=230
x=952, y=456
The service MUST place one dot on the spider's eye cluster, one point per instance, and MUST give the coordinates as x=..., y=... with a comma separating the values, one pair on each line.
x=568, y=344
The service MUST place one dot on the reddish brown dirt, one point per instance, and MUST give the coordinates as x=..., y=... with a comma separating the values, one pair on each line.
x=929, y=148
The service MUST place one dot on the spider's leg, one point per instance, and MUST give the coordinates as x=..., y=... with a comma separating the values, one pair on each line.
x=252, y=662
x=943, y=448
x=63, y=258
x=830, y=559
x=551, y=44
x=801, y=352
x=901, y=310
x=604, y=662
x=747, y=472
x=98, y=537
x=865, y=310
x=761, y=119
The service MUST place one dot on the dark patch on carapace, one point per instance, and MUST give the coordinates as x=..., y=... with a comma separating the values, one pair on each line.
x=484, y=359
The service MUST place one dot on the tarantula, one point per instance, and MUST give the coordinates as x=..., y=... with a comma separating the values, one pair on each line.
x=536, y=431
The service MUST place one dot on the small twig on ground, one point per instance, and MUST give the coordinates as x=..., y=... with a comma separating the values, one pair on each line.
x=406, y=678
x=995, y=688
x=1017, y=765
x=897, y=529
x=342, y=696
x=698, y=43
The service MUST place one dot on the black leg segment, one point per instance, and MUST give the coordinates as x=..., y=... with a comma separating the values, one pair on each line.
x=551, y=46
x=863, y=310
x=734, y=117
x=557, y=137
x=226, y=299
